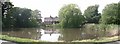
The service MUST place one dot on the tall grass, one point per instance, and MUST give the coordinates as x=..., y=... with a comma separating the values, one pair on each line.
x=101, y=30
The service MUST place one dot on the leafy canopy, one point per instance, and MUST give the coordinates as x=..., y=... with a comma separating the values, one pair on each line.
x=70, y=16
x=91, y=14
x=110, y=14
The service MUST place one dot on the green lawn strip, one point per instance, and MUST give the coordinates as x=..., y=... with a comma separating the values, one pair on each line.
x=16, y=39
x=103, y=39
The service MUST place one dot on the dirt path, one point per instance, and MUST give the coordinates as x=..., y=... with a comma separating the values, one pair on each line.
x=6, y=42
x=117, y=42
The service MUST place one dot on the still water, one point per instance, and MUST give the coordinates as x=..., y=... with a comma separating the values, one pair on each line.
x=53, y=34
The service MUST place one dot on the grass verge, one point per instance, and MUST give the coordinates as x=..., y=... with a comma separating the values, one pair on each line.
x=16, y=39
x=30, y=41
x=102, y=39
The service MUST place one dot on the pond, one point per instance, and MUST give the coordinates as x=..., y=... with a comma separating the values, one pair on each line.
x=54, y=34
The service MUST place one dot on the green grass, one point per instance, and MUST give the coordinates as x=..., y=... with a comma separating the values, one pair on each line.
x=102, y=39
x=16, y=39
x=31, y=41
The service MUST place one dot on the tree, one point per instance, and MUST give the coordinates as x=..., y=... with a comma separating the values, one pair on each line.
x=19, y=18
x=36, y=14
x=110, y=14
x=8, y=21
x=23, y=17
x=118, y=22
x=6, y=6
x=91, y=14
x=70, y=16
x=6, y=17
x=0, y=15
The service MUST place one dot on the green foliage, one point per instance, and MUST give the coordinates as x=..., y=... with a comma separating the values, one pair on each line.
x=110, y=14
x=20, y=18
x=7, y=20
x=118, y=17
x=0, y=16
x=54, y=26
x=91, y=14
x=6, y=6
x=101, y=30
x=6, y=17
x=70, y=16
x=107, y=27
x=101, y=26
x=36, y=14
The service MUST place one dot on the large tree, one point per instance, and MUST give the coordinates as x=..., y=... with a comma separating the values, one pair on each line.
x=118, y=22
x=36, y=14
x=70, y=16
x=0, y=15
x=6, y=6
x=6, y=17
x=91, y=14
x=19, y=18
x=110, y=14
x=23, y=17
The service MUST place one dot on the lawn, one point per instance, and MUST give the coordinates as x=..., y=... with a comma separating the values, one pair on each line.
x=17, y=39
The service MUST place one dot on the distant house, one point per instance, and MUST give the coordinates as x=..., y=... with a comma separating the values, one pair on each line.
x=51, y=20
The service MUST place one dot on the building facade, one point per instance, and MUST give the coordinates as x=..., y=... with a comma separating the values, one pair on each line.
x=51, y=20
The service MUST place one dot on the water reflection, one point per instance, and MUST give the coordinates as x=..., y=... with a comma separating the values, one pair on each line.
x=23, y=33
x=51, y=34
x=48, y=37
x=70, y=34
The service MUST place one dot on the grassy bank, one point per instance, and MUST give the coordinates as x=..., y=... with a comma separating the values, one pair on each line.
x=102, y=39
x=16, y=39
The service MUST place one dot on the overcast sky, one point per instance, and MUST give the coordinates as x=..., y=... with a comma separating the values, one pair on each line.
x=52, y=7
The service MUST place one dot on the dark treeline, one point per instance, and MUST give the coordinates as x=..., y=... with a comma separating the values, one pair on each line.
x=91, y=14
x=16, y=17
x=71, y=16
